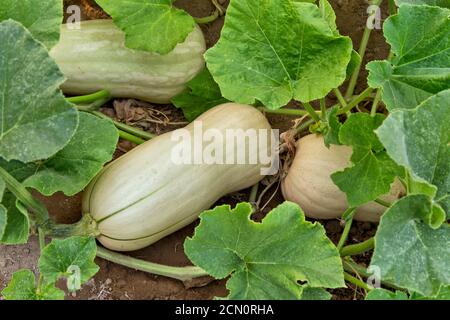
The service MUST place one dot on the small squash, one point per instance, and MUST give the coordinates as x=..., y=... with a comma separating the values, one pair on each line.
x=94, y=57
x=309, y=182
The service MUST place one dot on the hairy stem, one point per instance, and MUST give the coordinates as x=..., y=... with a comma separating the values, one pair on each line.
x=348, y=224
x=208, y=19
x=361, y=52
x=309, y=108
x=323, y=109
x=375, y=103
x=356, y=282
x=383, y=203
x=340, y=97
x=179, y=273
x=361, y=97
x=38, y=210
x=284, y=111
x=129, y=137
x=253, y=193
x=103, y=94
x=355, y=249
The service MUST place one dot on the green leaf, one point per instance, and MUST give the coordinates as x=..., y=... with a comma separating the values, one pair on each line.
x=71, y=258
x=383, y=294
x=42, y=18
x=71, y=169
x=443, y=294
x=23, y=287
x=419, y=38
x=440, y=3
x=333, y=126
x=17, y=229
x=315, y=294
x=408, y=252
x=419, y=140
x=150, y=25
x=373, y=171
x=202, y=95
x=35, y=119
x=265, y=260
x=2, y=189
x=277, y=50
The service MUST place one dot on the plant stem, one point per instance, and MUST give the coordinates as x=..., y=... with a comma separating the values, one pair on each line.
x=87, y=226
x=355, y=249
x=25, y=197
x=253, y=193
x=303, y=126
x=375, y=103
x=94, y=106
x=103, y=94
x=208, y=19
x=124, y=127
x=323, y=109
x=355, y=268
x=340, y=97
x=361, y=52
x=356, y=282
x=218, y=7
x=179, y=273
x=348, y=225
x=361, y=97
x=129, y=137
x=284, y=111
x=383, y=203
x=308, y=107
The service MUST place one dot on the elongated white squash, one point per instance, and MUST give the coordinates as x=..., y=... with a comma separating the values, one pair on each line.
x=309, y=184
x=143, y=196
x=94, y=57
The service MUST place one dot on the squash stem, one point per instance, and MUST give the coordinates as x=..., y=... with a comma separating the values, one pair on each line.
x=208, y=19
x=357, y=100
x=348, y=224
x=355, y=249
x=87, y=226
x=179, y=273
x=323, y=109
x=124, y=127
x=284, y=111
x=253, y=193
x=129, y=137
x=340, y=97
x=361, y=52
x=356, y=282
x=103, y=94
x=383, y=203
x=308, y=107
x=36, y=208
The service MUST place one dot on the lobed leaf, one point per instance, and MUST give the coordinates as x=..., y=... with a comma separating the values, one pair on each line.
x=265, y=260
x=420, y=40
x=35, y=119
x=277, y=50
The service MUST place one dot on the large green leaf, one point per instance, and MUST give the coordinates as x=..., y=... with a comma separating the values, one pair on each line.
x=23, y=287
x=71, y=169
x=151, y=25
x=420, y=39
x=419, y=139
x=69, y=258
x=202, y=94
x=408, y=252
x=373, y=171
x=42, y=18
x=35, y=119
x=277, y=50
x=265, y=260
x=440, y=3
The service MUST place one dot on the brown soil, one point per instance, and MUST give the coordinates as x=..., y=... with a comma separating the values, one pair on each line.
x=117, y=282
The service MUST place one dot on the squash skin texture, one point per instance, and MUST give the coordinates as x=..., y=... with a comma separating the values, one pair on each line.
x=143, y=196
x=309, y=184
x=94, y=58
